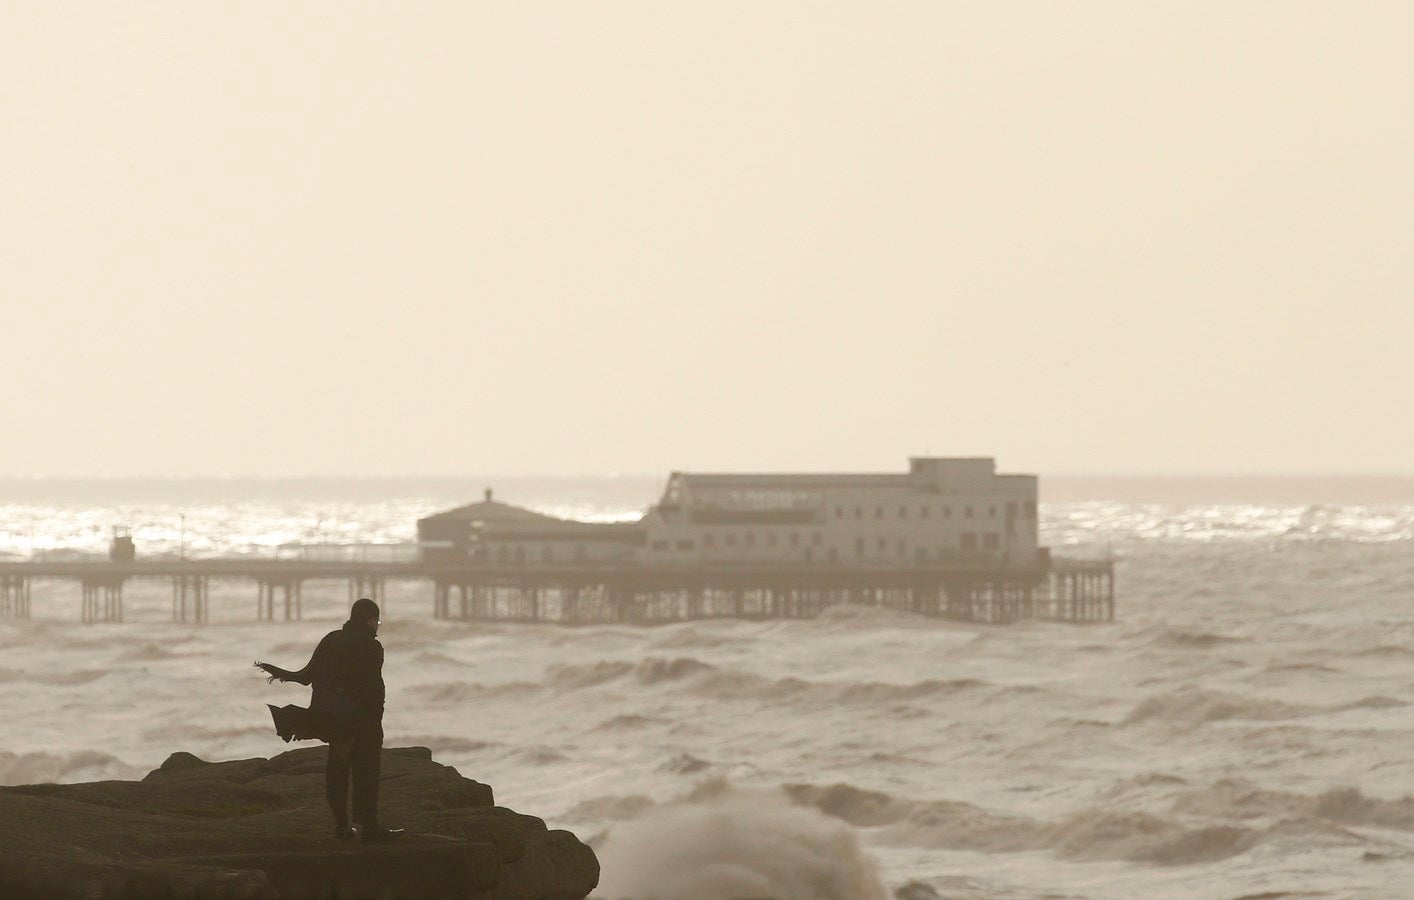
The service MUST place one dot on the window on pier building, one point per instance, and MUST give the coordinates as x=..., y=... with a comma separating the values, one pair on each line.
x=903, y=512
x=859, y=512
x=878, y=512
x=992, y=512
x=991, y=541
x=859, y=546
x=770, y=539
x=504, y=553
x=968, y=512
x=520, y=554
x=882, y=544
x=751, y=539
x=903, y=548
x=684, y=545
x=922, y=512
x=969, y=541
x=815, y=538
x=947, y=512
x=730, y=539
x=920, y=554
x=660, y=545
x=709, y=539
x=548, y=554
x=839, y=512
x=1011, y=509
x=834, y=555
x=1030, y=509
x=795, y=539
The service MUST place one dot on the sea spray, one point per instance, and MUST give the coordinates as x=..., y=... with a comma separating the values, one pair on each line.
x=735, y=843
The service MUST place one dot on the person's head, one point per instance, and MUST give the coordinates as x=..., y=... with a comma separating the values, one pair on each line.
x=365, y=612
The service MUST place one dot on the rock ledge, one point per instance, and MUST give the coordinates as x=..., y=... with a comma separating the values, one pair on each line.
x=259, y=828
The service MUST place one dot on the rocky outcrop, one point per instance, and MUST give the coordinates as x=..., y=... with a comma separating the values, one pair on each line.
x=259, y=828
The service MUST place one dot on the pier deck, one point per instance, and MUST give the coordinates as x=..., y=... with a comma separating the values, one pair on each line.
x=1063, y=590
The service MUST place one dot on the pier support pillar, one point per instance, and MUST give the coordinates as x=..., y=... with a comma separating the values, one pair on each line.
x=14, y=597
x=292, y=590
x=189, y=598
x=370, y=586
x=102, y=601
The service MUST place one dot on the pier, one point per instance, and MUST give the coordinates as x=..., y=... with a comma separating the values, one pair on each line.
x=573, y=594
x=949, y=537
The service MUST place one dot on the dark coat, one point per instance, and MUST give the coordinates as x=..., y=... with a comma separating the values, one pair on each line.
x=346, y=672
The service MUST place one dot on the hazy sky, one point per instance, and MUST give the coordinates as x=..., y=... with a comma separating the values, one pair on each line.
x=417, y=238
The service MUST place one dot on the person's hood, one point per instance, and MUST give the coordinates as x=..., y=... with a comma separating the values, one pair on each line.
x=358, y=628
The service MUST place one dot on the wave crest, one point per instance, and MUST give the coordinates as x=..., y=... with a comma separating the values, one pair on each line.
x=1187, y=707
x=736, y=844
x=37, y=768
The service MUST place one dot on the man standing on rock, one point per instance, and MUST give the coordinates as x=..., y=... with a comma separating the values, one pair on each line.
x=346, y=711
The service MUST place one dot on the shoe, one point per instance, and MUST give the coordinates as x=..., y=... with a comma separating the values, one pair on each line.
x=379, y=834
x=344, y=833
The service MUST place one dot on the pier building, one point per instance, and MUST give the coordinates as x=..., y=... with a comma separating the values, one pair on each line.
x=942, y=510
x=490, y=532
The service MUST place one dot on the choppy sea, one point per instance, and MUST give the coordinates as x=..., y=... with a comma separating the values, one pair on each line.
x=1245, y=728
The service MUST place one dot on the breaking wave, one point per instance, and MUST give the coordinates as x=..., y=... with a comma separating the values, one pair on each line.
x=735, y=844
x=540, y=756
x=456, y=693
x=863, y=615
x=1375, y=701
x=1140, y=837
x=437, y=658
x=177, y=733
x=629, y=722
x=1101, y=834
x=1242, y=799
x=689, y=638
x=1107, y=833
x=440, y=743
x=612, y=808
x=1190, y=706
x=84, y=765
x=709, y=680
x=1193, y=640
x=63, y=679
x=151, y=651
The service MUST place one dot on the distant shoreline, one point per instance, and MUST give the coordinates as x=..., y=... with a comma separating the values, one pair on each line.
x=641, y=490
x=1266, y=489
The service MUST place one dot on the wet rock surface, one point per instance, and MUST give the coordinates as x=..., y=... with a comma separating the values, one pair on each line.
x=260, y=828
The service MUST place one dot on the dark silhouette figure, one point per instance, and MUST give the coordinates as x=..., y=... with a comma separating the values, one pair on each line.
x=346, y=711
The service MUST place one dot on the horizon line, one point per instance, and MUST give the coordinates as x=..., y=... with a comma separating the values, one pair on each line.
x=664, y=474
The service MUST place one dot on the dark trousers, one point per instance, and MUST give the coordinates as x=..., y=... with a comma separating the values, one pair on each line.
x=359, y=755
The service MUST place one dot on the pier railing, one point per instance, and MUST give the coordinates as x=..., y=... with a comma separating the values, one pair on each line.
x=582, y=593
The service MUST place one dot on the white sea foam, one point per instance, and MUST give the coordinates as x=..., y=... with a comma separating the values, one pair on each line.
x=735, y=844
